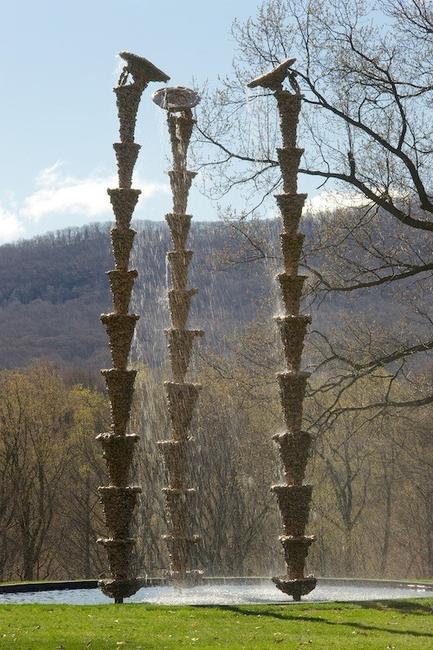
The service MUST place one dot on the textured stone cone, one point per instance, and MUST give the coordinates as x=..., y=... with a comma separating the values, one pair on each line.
x=295, y=553
x=289, y=107
x=180, y=182
x=291, y=291
x=179, y=225
x=121, y=241
x=294, y=505
x=126, y=157
x=179, y=549
x=119, y=556
x=175, y=461
x=179, y=301
x=119, y=589
x=179, y=263
x=120, y=386
x=121, y=283
x=294, y=449
x=123, y=202
x=292, y=391
x=181, y=400
x=118, y=504
x=127, y=101
x=179, y=350
x=185, y=125
x=295, y=587
x=180, y=129
x=120, y=329
x=291, y=247
x=291, y=206
x=118, y=452
x=292, y=332
x=178, y=508
x=289, y=163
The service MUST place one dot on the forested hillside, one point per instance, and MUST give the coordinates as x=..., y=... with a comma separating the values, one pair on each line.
x=53, y=289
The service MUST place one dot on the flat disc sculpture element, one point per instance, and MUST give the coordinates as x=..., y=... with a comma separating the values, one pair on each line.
x=293, y=496
x=181, y=395
x=118, y=498
x=176, y=99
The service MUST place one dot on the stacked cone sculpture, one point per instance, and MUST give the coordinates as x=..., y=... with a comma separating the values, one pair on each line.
x=181, y=394
x=118, y=498
x=293, y=496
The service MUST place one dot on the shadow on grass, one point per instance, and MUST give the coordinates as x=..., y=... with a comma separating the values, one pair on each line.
x=296, y=616
x=402, y=606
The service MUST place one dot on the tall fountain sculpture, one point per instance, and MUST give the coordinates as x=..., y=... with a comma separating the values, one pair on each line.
x=294, y=444
x=118, y=497
x=181, y=394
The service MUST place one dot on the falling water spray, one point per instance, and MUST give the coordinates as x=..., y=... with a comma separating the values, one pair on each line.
x=293, y=496
x=181, y=395
x=118, y=498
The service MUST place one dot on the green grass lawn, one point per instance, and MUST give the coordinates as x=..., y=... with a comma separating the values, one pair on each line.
x=387, y=625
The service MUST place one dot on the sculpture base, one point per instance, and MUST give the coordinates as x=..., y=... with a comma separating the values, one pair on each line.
x=184, y=579
x=120, y=589
x=296, y=587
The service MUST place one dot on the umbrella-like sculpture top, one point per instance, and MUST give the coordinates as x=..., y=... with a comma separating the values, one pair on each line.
x=176, y=99
x=142, y=70
x=273, y=80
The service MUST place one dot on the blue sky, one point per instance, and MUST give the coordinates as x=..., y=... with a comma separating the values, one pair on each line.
x=58, y=67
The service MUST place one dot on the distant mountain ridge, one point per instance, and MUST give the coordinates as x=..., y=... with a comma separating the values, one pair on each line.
x=53, y=289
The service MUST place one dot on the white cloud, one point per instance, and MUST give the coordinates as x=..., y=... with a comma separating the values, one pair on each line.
x=56, y=193
x=60, y=194
x=330, y=201
x=10, y=226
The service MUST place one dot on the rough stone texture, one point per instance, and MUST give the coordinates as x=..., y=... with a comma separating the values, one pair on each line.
x=181, y=396
x=180, y=183
x=118, y=498
x=291, y=247
x=295, y=587
x=120, y=589
x=179, y=301
x=291, y=206
x=127, y=101
x=118, y=452
x=289, y=162
x=180, y=344
x=121, y=241
x=120, y=386
x=293, y=444
x=295, y=553
x=292, y=331
x=294, y=449
x=181, y=401
x=121, y=283
x=118, y=504
x=273, y=80
x=179, y=225
x=289, y=106
x=292, y=393
x=126, y=156
x=294, y=505
x=142, y=70
x=175, y=453
x=119, y=555
x=179, y=262
x=178, y=507
x=120, y=329
x=123, y=202
x=291, y=291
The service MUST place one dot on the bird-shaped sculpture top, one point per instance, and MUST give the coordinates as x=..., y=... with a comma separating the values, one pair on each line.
x=274, y=79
